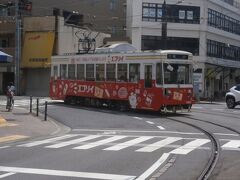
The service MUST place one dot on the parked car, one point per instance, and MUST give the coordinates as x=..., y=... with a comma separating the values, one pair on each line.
x=233, y=97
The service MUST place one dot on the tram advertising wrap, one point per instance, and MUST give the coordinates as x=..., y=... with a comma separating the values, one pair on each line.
x=156, y=81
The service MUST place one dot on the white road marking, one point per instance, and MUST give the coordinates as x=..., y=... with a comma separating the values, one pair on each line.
x=223, y=134
x=160, y=127
x=36, y=143
x=159, y=144
x=109, y=133
x=232, y=144
x=128, y=143
x=6, y=175
x=185, y=149
x=66, y=173
x=150, y=122
x=101, y=142
x=133, y=131
x=138, y=118
x=154, y=167
x=75, y=141
x=217, y=109
x=4, y=147
x=197, y=107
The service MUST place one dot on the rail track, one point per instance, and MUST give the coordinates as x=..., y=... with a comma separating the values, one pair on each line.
x=216, y=150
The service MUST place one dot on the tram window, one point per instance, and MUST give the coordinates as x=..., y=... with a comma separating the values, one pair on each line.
x=100, y=72
x=81, y=71
x=122, y=72
x=90, y=72
x=183, y=74
x=159, y=78
x=176, y=74
x=63, y=71
x=134, y=72
x=71, y=71
x=111, y=71
x=55, y=72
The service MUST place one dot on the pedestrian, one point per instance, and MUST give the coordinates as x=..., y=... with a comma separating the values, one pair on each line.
x=10, y=91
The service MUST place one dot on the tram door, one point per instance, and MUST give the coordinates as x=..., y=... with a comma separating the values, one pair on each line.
x=148, y=75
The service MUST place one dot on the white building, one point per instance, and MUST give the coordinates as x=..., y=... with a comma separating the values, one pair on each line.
x=210, y=29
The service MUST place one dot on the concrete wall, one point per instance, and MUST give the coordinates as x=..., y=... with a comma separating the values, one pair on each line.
x=39, y=23
x=68, y=41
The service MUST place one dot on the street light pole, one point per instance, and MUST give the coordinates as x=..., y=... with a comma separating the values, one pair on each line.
x=164, y=25
x=17, y=48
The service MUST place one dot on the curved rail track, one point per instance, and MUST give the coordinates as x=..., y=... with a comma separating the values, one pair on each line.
x=216, y=150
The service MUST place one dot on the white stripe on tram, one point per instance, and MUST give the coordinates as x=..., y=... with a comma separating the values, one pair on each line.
x=159, y=144
x=101, y=142
x=75, y=141
x=187, y=148
x=36, y=143
x=128, y=143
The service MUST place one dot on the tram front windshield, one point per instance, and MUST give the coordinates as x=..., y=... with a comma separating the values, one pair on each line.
x=177, y=73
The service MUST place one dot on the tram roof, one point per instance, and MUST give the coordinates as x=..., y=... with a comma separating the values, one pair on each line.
x=131, y=53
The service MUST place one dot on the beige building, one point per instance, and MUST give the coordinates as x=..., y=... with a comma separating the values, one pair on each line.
x=42, y=38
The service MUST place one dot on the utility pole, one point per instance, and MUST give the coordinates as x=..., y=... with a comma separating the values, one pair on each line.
x=164, y=25
x=17, y=47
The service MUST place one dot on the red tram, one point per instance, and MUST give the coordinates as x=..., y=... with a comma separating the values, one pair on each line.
x=157, y=81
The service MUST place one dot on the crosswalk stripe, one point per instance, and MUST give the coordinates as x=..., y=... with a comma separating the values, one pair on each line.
x=128, y=143
x=36, y=143
x=101, y=142
x=185, y=149
x=75, y=141
x=232, y=144
x=159, y=144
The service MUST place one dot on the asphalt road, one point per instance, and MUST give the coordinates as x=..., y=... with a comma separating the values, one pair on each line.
x=107, y=144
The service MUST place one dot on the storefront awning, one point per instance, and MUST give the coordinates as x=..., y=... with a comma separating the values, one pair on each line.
x=5, y=58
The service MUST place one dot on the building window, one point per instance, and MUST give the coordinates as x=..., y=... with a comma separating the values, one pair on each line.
x=174, y=13
x=185, y=44
x=222, y=50
x=151, y=12
x=223, y=22
x=4, y=43
x=113, y=5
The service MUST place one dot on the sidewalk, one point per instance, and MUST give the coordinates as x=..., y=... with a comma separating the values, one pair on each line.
x=21, y=125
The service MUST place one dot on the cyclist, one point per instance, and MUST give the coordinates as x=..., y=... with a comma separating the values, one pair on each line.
x=10, y=94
